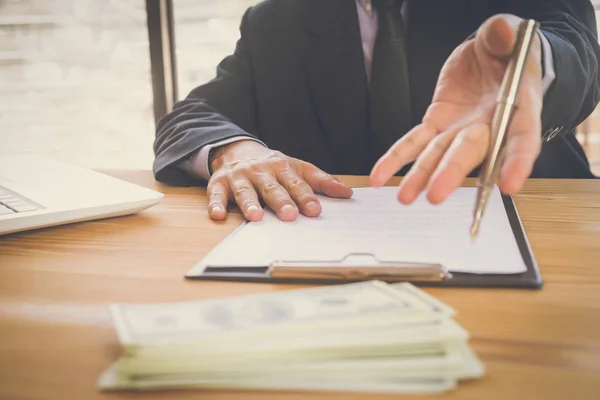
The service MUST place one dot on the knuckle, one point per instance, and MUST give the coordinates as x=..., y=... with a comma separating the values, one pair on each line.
x=305, y=165
x=394, y=152
x=214, y=188
x=215, y=197
x=269, y=187
x=410, y=140
x=278, y=161
x=217, y=178
x=439, y=144
x=241, y=189
x=228, y=167
x=296, y=183
x=256, y=167
x=276, y=154
x=283, y=201
x=238, y=169
x=307, y=198
x=319, y=174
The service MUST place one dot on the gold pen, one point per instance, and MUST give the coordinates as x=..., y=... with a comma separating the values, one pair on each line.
x=505, y=107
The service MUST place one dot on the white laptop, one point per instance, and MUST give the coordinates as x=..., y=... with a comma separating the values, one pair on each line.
x=37, y=191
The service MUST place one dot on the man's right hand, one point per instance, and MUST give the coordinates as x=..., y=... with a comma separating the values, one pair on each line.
x=245, y=172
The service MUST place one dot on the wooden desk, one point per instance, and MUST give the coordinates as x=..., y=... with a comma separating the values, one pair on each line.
x=56, y=335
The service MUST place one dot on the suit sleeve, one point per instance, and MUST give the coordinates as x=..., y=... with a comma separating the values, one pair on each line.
x=570, y=27
x=206, y=115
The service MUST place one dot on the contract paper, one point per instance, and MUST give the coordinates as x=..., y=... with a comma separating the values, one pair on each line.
x=374, y=223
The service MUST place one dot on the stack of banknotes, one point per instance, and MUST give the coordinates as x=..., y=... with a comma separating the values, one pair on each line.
x=369, y=336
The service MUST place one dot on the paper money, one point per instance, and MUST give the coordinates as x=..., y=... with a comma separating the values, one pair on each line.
x=111, y=380
x=202, y=320
x=367, y=336
x=427, y=299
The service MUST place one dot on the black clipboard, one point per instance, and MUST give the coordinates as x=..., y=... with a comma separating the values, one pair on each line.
x=419, y=274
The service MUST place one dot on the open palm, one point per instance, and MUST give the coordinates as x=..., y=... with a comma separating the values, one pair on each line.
x=454, y=135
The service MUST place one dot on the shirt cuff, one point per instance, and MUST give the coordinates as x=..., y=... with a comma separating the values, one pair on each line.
x=198, y=163
x=547, y=63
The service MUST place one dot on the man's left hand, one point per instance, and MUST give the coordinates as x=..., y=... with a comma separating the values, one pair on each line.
x=454, y=136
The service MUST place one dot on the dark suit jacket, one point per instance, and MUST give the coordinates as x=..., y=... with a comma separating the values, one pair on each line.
x=297, y=81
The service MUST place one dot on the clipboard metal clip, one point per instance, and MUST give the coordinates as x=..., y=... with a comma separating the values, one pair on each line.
x=358, y=267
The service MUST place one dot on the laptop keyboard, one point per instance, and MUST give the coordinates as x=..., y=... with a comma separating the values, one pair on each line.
x=11, y=204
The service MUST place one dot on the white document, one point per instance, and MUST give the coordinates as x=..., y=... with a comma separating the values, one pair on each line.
x=374, y=223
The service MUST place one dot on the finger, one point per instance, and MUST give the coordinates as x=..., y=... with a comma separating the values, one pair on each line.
x=405, y=150
x=495, y=43
x=217, y=192
x=498, y=35
x=300, y=191
x=522, y=149
x=275, y=195
x=420, y=173
x=246, y=197
x=324, y=183
x=465, y=153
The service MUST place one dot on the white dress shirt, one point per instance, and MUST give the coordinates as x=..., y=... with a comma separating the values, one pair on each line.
x=198, y=163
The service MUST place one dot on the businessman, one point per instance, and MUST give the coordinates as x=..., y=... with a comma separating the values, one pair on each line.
x=363, y=87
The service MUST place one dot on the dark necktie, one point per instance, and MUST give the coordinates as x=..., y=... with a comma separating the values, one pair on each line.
x=390, y=111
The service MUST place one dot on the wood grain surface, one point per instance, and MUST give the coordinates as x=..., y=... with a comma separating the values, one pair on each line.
x=56, y=335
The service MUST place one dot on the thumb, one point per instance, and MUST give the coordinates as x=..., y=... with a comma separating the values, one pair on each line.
x=497, y=36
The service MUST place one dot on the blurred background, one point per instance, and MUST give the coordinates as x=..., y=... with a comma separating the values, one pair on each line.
x=75, y=78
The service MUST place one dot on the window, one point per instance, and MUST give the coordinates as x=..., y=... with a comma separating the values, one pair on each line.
x=205, y=32
x=76, y=81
